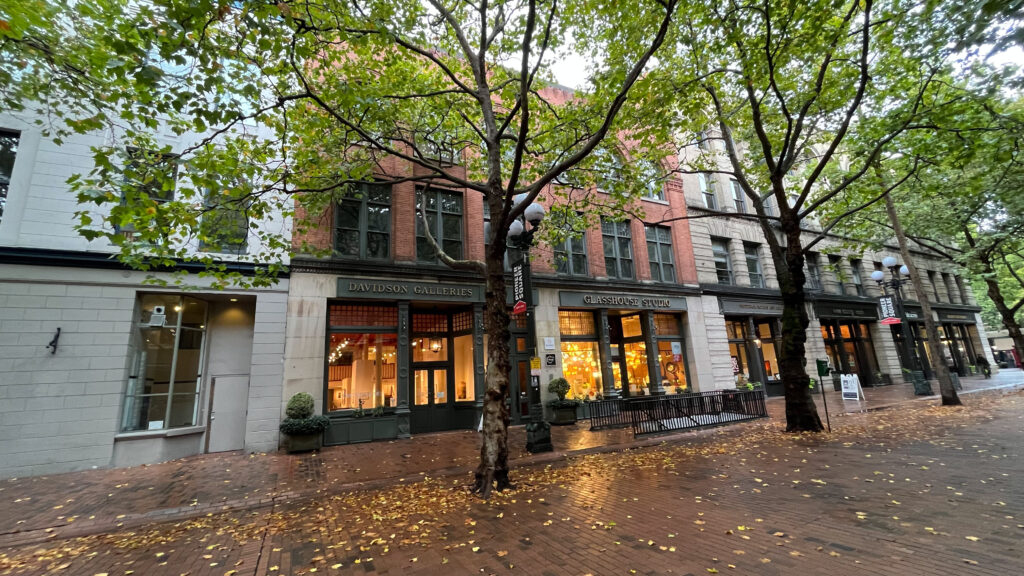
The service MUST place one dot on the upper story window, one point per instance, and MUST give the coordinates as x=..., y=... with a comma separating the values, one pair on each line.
x=225, y=226
x=152, y=173
x=618, y=249
x=813, y=271
x=703, y=140
x=571, y=255
x=707, y=192
x=752, y=252
x=836, y=264
x=855, y=276
x=738, y=196
x=363, y=222
x=444, y=216
x=659, y=253
x=8, y=151
x=720, y=254
x=652, y=179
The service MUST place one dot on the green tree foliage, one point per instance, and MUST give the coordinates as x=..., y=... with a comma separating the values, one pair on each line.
x=296, y=100
x=799, y=101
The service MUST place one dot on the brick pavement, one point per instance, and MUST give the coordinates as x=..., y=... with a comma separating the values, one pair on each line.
x=88, y=502
x=932, y=491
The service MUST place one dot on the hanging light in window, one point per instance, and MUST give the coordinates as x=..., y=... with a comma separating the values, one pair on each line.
x=435, y=345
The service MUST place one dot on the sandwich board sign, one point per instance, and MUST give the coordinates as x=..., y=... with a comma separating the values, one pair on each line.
x=851, y=387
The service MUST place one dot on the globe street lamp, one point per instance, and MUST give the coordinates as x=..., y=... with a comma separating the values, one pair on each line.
x=900, y=276
x=538, y=432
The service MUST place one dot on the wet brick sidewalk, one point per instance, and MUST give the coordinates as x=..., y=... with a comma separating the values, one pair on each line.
x=924, y=490
x=81, y=503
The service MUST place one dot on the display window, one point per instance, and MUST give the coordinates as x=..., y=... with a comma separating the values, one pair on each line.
x=581, y=366
x=362, y=370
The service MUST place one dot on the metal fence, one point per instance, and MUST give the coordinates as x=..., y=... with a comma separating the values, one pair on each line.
x=651, y=415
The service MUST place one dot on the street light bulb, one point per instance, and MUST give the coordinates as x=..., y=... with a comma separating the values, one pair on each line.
x=904, y=270
x=889, y=261
x=878, y=275
x=518, y=199
x=534, y=213
x=515, y=230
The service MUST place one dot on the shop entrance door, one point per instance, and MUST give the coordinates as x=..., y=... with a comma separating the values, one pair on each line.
x=519, y=390
x=432, y=400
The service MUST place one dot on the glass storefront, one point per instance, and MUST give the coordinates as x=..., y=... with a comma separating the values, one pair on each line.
x=850, y=349
x=627, y=353
x=362, y=370
x=581, y=356
x=166, y=370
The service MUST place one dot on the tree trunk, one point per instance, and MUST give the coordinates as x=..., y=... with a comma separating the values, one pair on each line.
x=801, y=413
x=995, y=294
x=946, y=389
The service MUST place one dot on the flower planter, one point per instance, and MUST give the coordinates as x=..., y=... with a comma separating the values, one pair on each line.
x=302, y=442
x=352, y=430
x=563, y=416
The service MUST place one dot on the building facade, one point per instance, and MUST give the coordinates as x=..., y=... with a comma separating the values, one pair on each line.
x=98, y=366
x=743, y=308
x=383, y=326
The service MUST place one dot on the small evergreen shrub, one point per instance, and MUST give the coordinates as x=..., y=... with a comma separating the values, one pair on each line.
x=300, y=418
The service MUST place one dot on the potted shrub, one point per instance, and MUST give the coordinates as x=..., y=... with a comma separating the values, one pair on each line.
x=563, y=410
x=302, y=429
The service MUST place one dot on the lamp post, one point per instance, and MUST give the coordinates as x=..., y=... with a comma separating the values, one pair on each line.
x=538, y=432
x=896, y=284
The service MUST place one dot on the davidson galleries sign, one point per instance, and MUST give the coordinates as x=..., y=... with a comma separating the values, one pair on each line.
x=430, y=291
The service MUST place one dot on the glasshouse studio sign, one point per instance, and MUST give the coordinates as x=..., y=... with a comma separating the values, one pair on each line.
x=365, y=288
x=635, y=301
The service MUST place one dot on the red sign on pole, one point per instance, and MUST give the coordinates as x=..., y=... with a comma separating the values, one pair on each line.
x=519, y=308
x=889, y=321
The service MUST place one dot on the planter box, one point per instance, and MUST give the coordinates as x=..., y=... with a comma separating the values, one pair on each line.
x=302, y=442
x=563, y=416
x=351, y=430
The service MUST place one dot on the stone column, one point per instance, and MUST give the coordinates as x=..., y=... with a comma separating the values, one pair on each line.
x=738, y=262
x=404, y=376
x=605, y=342
x=479, y=374
x=653, y=367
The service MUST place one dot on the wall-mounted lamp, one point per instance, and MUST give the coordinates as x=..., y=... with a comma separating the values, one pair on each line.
x=757, y=342
x=53, y=343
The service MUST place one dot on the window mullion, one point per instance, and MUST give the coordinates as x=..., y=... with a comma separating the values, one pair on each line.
x=174, y=362
x=364, y=225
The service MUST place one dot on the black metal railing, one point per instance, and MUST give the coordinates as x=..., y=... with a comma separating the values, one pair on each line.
x=682, y=411
x=650, y=415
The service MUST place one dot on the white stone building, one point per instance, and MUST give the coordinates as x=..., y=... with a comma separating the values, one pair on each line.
x=91, y=375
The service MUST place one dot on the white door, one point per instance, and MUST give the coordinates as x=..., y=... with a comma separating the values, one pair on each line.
x=227, y=415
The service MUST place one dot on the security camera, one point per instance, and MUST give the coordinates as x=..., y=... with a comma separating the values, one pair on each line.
x=158, y=309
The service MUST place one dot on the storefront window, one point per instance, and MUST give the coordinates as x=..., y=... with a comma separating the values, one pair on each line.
x=673, y=369
x=637, y=372
x=362, y=370
x=166, y=372
x=582, y=368
x=464, y=383
x=631, y=326
x=666, y=325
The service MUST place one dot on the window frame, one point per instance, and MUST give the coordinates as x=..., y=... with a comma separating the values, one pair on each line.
x=658, y=264
x=739, y=197
x=856, y=277
x=813, y=271
x=5, y=186
x=717, y=258
x=615, y=236
x=564, y=252
x=439, y=216
x=755, y=258
x=239, y=248
x=707, y=191
x=363, y=224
